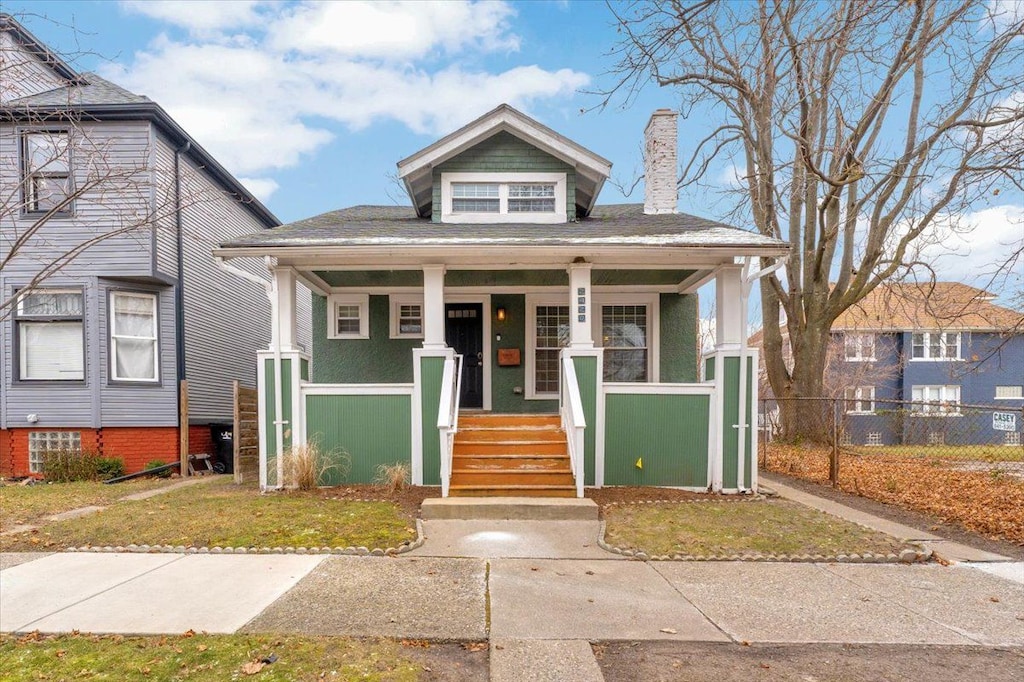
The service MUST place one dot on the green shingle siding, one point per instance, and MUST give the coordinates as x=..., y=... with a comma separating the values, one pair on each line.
x=505, y=153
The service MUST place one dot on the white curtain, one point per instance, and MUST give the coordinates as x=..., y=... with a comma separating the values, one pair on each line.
x=134, y=336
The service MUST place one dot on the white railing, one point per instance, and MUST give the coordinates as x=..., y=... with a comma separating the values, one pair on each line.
x=570, y=405
x=448, y=415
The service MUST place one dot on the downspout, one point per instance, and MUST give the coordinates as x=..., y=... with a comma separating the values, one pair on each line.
x=275, y=340
x=747, y=284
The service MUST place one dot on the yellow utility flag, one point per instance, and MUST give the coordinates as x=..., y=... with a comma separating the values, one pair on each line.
x=639, y=462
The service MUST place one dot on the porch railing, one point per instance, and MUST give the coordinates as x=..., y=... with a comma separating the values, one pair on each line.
x=570, y=405
x=448, y=416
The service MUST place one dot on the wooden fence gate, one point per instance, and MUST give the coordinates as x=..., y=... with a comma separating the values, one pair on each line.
x=246, y=435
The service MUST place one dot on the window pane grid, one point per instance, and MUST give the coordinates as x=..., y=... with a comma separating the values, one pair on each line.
x=410, y=319
x=624, y=337
x=476, y=206
x=552, y=334
x=47, y=165
x=475, y=190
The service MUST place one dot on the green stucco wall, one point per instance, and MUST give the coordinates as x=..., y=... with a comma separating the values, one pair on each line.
x=431, y=374
x=678, y=336
x=505, y=152
x=504, y=380
x=378, y=359
x=358, y=433
x=668, y=432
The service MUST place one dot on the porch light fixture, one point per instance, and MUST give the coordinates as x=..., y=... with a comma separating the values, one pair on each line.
x=500, y=313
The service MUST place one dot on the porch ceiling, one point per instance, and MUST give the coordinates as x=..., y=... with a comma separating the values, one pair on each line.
x=471, y=278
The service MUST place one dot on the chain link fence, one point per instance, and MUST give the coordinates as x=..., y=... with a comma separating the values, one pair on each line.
x=960, y=462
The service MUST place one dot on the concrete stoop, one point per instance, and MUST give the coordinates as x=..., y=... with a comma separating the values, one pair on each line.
x=509, y=508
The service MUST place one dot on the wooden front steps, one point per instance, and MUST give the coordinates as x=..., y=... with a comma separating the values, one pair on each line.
x=511, y=455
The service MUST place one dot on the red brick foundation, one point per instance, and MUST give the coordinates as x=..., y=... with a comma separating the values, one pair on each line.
x=199, y=440
x=136, y=446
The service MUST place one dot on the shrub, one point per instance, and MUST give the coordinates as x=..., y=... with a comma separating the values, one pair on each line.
x=394, y=477
x=156, y=464
x=306, y=465
x=109, y=467
x=63, y=466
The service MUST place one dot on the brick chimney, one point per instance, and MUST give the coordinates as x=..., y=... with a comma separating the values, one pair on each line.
x=660, y=142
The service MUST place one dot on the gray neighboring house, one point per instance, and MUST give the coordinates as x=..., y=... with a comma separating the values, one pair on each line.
x=94, y=349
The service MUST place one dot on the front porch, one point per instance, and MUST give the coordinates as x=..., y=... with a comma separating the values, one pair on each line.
x=409, y=361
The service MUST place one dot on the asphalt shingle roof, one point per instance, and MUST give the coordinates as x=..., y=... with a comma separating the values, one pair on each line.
x=609, y=225
x=942, y=305
x=93, y=91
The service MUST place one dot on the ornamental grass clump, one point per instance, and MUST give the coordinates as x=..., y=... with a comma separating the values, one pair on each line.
x=394, y=477
x=305, y=466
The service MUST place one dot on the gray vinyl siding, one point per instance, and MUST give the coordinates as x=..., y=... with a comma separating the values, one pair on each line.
x=23, y=73
x=227, y=318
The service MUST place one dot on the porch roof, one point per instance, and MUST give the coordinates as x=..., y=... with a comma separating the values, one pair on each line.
x=609, y=225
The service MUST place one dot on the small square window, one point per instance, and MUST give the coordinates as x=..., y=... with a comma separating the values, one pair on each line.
x=42, y=442
x=936, y=438
x=1009, y=392
x=406, y=317
x=874, y=438
x=348, y=316
x=1011, y=438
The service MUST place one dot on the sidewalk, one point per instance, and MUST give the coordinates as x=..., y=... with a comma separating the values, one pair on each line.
x=540, y=592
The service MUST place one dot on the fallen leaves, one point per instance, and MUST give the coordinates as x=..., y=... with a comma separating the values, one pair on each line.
x=253, y=667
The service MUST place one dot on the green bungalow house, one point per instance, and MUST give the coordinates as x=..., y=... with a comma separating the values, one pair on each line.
x=507, y=335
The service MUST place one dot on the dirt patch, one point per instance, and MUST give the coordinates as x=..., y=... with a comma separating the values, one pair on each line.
x=409, y=499
x=949, y=530
x=448, y=661
x=983, y=502
x=706, y=662
x=630, y=494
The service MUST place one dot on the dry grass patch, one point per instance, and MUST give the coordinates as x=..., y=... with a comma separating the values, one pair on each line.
x=986, y=502
x=727, y=528
x=201, y=658
x=223, y=514
x=25, y=504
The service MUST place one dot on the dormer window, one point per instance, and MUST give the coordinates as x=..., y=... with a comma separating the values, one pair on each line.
x=503, y=197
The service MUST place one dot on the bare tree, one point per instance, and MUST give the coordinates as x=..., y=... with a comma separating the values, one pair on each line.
x=860, y=128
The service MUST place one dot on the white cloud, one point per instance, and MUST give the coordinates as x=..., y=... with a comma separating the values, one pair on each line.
x=262, y=188
x=394, y=30
x=272, y=93
x=200, y=17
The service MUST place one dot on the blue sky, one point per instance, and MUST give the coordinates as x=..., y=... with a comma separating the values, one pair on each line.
x=334, y=123
x=312, y=104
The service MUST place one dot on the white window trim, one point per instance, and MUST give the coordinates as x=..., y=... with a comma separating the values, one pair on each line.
x=361, y=300
x=858, y=340
x=532, y=301
x=30, y=319
x=927, y=346
x=649, y=299
x=504, y=180
x=859, y=393
x=652, y=301
x=1013, y=397
x=395, y=301
x=943, y=407
x=155, y=338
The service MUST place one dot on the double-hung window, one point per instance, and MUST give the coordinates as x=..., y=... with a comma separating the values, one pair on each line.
x=551, y=334
x=625, y=338
x=859, y=347
x=134, y=345
x=348, y=316
x=406, y=317
x=46, y=164
x=50, y=335
x=935, y=346
x=936, y=399
x=860, y=399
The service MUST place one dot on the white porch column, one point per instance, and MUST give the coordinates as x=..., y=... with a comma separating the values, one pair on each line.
x=283, y=334
x=433, y=306
x=581, y=306
x=729, y=323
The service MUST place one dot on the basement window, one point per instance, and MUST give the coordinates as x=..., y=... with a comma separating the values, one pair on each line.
x=42, y=442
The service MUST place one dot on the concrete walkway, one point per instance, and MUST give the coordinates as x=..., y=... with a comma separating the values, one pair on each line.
x=540, y=592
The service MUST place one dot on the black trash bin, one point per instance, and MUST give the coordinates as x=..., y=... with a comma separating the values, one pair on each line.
x=223, y=448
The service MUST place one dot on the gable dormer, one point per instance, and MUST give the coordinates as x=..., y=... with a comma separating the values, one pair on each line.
x=28, y=67
x=504, y=167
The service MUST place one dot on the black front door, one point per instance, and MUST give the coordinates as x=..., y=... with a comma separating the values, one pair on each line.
x=464, y=331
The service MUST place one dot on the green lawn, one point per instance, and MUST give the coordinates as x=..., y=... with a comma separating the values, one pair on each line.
x=22, y=504
x=740, y=527
x=200, y=658
x=223, y=514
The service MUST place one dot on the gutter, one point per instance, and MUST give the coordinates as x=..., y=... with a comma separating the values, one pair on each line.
x=747, y=283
